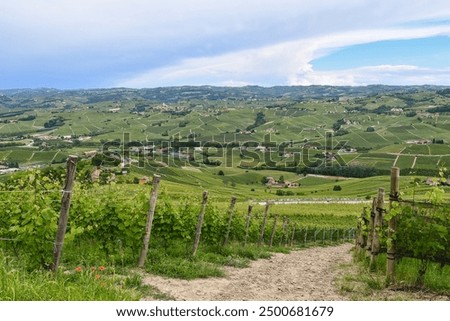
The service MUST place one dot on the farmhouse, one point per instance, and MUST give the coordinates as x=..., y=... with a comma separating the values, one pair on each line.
x=90, y=154
x=144, y=180
x=95, y=175
x=271, y=182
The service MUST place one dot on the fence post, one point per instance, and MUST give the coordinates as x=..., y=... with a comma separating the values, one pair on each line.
x=150, y=216
x=377, y=226
x=247, y=223
x=230, y=218
x=393, y=197
x=274, y=227
x=64, y=213
x=263, y=224
x=283, y=228
x=293, y=235
x=371, y=224
x=360, y=238
x=200, y=222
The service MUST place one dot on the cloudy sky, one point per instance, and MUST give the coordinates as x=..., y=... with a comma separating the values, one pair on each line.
x=151, y=43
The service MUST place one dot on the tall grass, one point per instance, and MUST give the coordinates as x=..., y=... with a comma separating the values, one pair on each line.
x=83, y=284
x=175, y=259
x=436, y=278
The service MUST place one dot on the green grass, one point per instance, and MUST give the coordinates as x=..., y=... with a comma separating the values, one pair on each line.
x=175, y=259
x=66, y=285
x=436, y=279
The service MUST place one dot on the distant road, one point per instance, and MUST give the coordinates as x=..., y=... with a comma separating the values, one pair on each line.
x=317, y=201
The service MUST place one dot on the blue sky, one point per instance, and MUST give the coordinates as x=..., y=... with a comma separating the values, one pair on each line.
x=432, y=52
x=143, y=43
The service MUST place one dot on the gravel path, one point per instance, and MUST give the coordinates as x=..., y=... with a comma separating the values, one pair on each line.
x=307, y=274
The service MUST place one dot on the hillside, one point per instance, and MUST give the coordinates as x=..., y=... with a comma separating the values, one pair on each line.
x=233, y=137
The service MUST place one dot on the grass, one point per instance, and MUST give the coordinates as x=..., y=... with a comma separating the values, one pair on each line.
x=437, y=278
x=71, y=285
x=369, y=282
x=175, y=259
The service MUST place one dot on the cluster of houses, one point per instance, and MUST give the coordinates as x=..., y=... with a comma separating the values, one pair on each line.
x=435, y=182
x=271, y=182
x=7, y=170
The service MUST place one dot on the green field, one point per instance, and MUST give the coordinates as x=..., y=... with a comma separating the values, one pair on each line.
x=365, y=134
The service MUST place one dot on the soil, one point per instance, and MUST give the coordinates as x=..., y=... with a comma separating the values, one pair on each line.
x=312, y=274
x=308, y=274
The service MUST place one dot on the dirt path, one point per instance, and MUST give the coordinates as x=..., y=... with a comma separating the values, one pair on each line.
x=308, y=274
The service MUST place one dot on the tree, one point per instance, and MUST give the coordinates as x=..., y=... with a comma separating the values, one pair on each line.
x=281, y=179
x=221, y=173
x=260, y=119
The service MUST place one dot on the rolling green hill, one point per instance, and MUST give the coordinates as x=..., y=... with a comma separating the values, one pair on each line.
x=247, y=133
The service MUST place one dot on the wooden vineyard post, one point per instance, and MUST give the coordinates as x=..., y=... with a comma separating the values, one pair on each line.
x=149, y=223
x=247, y=222
x=274, y=227
x=291, y=243
x=371, y=224
x=283, y=229
x=230, y=219
x=198, y=231
x=316, y=232
x=360, y=238
x=377, y=226
x=64, y=213
x=263, y=224
x=393, y=197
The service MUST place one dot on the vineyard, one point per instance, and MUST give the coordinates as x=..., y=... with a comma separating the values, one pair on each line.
x=110, y=220
x=124, y=226
x=107, y=225
x=407, y=230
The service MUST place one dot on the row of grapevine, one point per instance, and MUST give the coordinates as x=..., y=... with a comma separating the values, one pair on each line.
x=111, y=219
x=407, y=229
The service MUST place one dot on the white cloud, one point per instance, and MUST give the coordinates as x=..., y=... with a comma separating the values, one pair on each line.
x=284, y=63
x=199, y=41
x=382, y=74
x=51, y=25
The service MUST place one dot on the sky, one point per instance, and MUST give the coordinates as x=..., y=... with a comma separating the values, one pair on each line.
x=68, y=44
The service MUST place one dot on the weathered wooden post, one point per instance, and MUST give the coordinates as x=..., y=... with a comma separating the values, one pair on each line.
x=393, y=197
x=247, y=223
x=283, y=229
x=230, y=219
x=64, y=212
x=371, y=224
x=149, y=223
x=263, y=224
x=291, y=243
x=274, y=227
x=360, y=238
x=377, y=226
x=198, y=231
